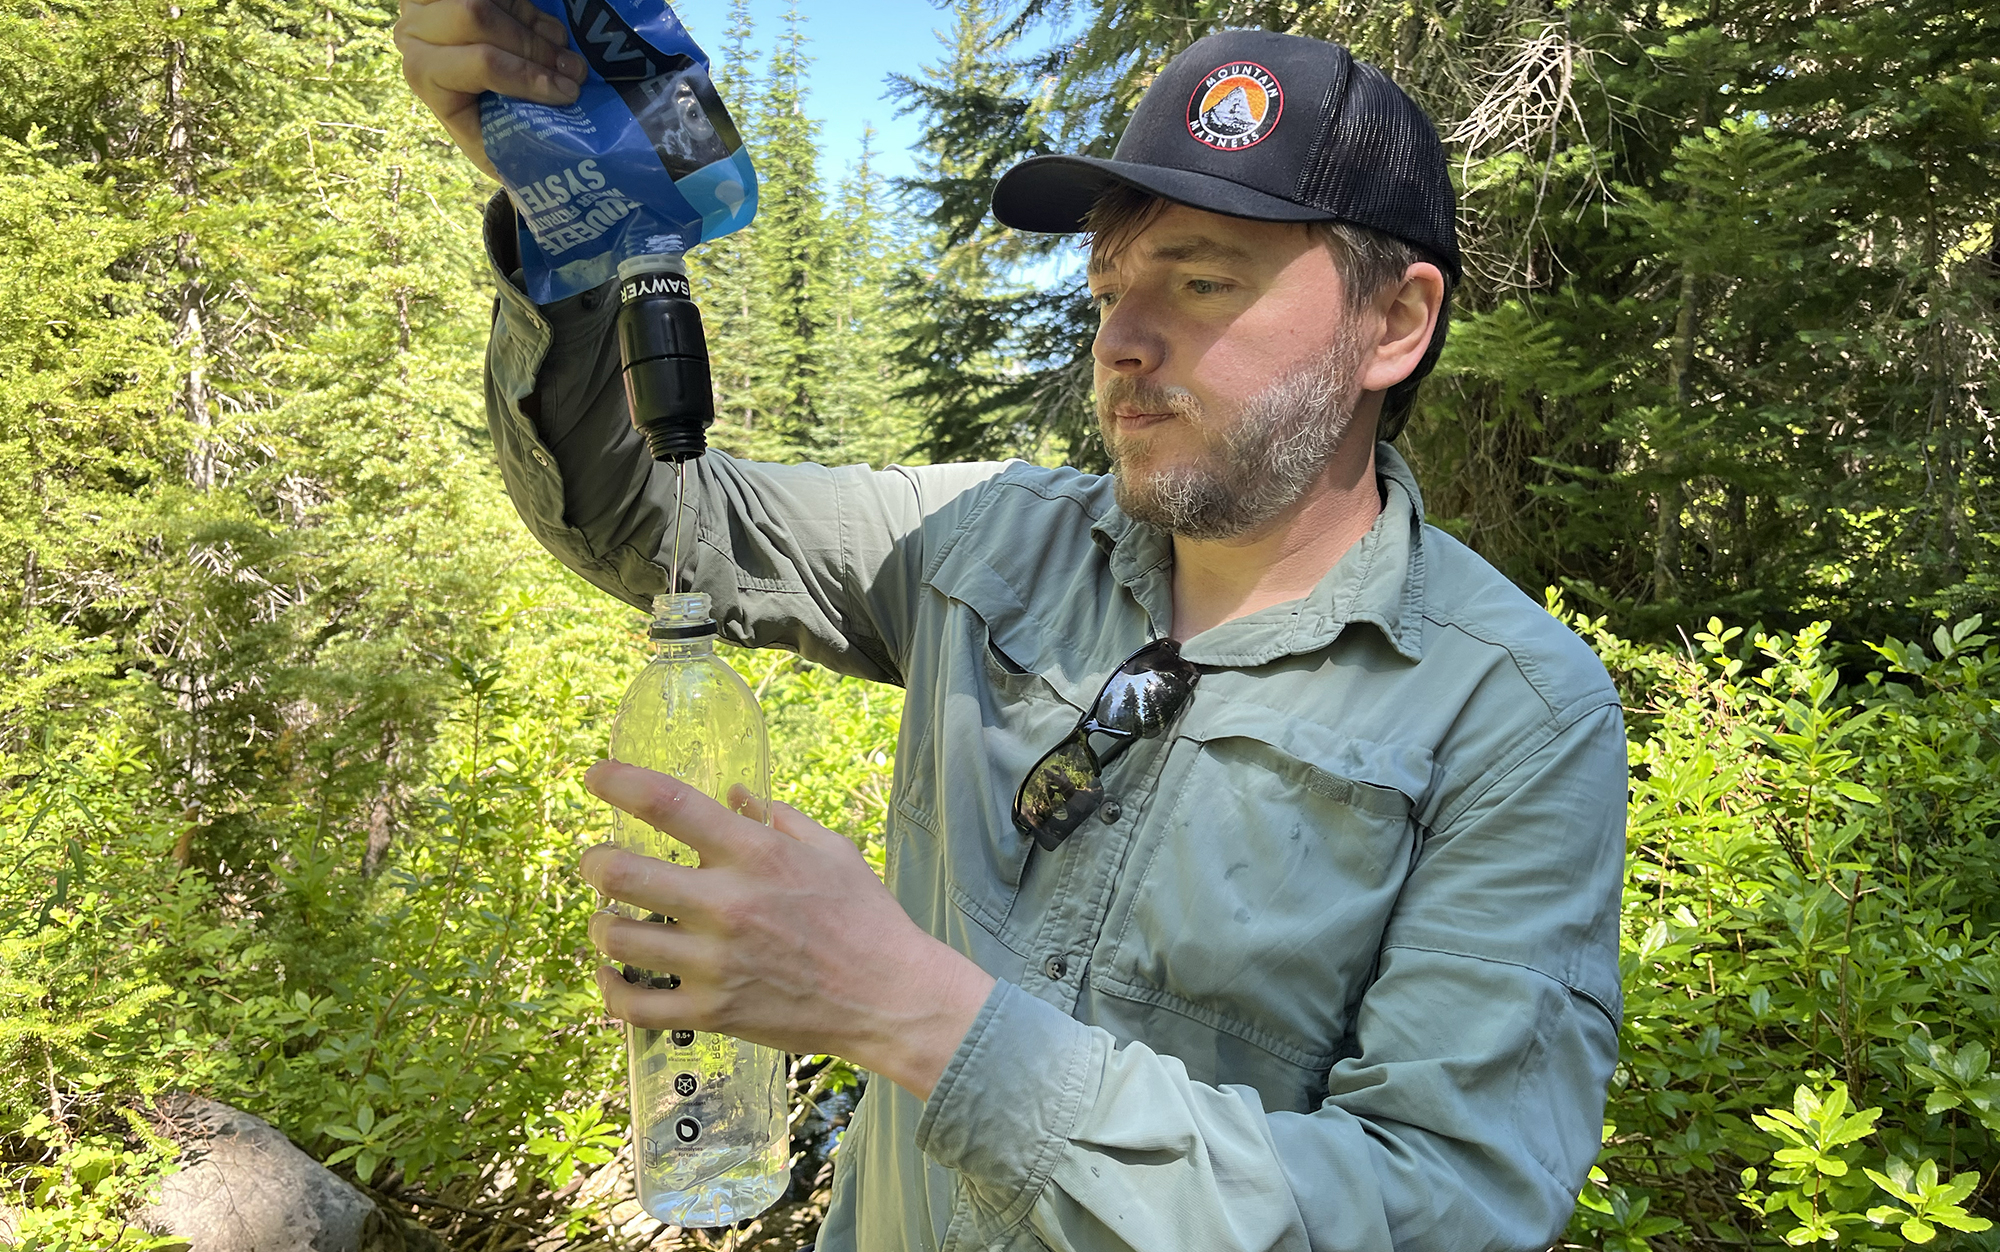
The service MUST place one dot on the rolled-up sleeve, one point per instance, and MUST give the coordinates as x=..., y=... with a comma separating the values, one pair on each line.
x=1466, y=1117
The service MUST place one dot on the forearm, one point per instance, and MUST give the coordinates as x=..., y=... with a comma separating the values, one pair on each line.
x=579, y=475
x=916, y=1021
x=826, y=562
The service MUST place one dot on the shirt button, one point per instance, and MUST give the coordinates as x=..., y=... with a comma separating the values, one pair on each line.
x=1055, y=967
x=541, y=458
x=1110, y=811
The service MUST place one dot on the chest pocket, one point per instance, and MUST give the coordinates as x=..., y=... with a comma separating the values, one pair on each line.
x=1000, y=699
x=1263, y=890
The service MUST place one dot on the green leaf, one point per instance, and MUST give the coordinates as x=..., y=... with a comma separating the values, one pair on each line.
x=1858, y=1126
x=1896, y=1182
x=1959, y=1220
x=1961, y=1186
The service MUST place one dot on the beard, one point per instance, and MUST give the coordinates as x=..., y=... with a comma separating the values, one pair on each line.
x=1250, y=469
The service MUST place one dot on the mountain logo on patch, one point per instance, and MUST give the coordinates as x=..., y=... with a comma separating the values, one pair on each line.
x=1235, y=107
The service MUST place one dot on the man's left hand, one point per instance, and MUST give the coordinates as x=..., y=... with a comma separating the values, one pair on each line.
x=783, y=936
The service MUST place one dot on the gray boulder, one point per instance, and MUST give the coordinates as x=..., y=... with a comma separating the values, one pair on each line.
x=244, y=1187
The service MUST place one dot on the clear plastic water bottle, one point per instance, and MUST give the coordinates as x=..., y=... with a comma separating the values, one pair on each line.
x=708, y=1112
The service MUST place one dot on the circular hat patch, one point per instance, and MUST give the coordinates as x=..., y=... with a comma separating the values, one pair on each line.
x=1235, y=106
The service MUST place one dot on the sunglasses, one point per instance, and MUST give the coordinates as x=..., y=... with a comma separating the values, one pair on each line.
x=1138, y=701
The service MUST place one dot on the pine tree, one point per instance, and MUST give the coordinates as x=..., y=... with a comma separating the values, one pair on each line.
x=864, y=417
x=791, y=247
x=243, y=463
x=998, y=367
x=725, y=272
x=764, y=291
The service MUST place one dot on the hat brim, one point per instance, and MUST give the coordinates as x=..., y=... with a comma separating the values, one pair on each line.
x=1053, y=194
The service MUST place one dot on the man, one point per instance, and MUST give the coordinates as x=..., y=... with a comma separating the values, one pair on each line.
x=1255, y=849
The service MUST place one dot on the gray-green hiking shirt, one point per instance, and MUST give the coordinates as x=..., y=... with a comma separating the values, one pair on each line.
x=1335, y=967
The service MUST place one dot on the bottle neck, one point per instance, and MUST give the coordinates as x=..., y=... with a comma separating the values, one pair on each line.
x=682, y=629
x=684, y=649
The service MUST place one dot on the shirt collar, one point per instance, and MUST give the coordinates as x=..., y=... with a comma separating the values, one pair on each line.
x=1379, y=581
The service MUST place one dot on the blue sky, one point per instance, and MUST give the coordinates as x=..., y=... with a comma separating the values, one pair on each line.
x=855, y=46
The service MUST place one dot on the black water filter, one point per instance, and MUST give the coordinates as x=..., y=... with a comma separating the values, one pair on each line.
x=665, y=357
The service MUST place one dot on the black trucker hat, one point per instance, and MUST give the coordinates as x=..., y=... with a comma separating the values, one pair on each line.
x=1251, y=123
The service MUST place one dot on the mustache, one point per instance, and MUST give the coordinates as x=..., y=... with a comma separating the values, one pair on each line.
x=1146, y=396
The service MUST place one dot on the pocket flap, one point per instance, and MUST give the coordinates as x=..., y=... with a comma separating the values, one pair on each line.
x=1342, y=768
x=1011, y=628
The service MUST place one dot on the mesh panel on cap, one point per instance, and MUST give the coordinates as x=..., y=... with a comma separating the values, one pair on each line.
x=1322, y=167
x=1379, y=164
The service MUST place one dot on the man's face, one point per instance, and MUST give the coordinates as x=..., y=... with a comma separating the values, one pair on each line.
x=1226, y=368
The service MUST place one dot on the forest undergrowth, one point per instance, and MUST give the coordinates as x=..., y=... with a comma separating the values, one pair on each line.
x=1809, y=954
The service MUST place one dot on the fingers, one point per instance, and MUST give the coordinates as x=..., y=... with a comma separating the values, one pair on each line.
x=750, y=804
x=531, y=17
x=794, y=823
x=474, y=68
x=644, y=882
x=453, y=50
x=675, y=808
x=786, y=820
x=515, y=27
x=688, y=1007
x=445, y=75
x=658, y=946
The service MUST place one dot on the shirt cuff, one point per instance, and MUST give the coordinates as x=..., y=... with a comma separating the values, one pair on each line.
x=1002, y=1111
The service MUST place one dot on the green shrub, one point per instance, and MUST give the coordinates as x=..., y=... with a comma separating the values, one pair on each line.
x=422, y=1018
x=429, y=1019
x=1809, y=959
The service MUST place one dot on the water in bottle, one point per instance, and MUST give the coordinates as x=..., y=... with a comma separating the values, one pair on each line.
x=709, y=1134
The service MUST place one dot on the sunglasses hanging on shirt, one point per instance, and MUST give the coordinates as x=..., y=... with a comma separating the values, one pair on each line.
x=1138, y=701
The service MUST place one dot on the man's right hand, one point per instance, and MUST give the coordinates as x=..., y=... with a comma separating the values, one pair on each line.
x=455, y=49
